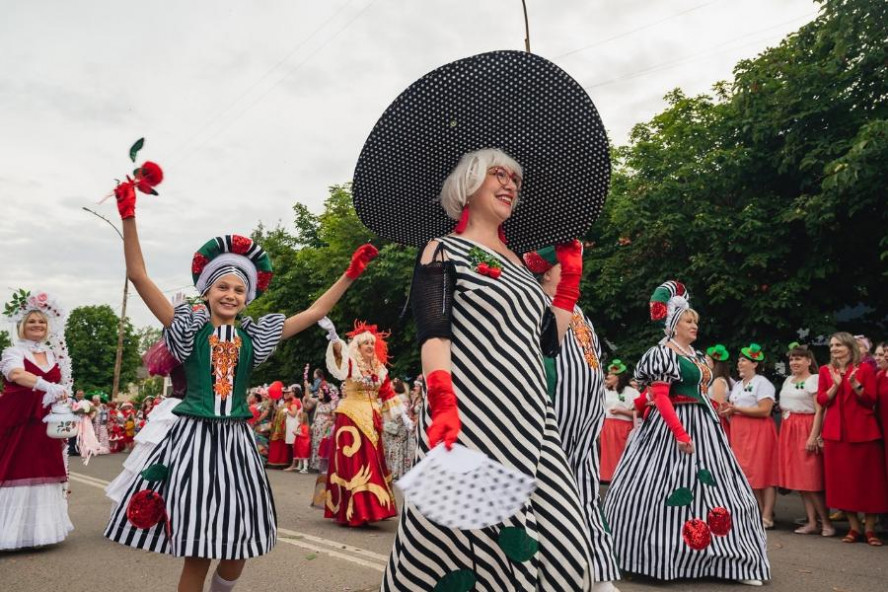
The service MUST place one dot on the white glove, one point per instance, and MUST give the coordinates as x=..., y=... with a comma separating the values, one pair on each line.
x=53, y=392
x=327, y=325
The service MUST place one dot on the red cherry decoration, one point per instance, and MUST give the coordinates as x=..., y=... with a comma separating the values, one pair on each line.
x=145, y=509
x=483, y=268
x=696, y=534
x=719, y=521
x=495, y=272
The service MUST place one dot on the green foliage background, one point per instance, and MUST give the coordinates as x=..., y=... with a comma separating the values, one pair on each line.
x=91, y=334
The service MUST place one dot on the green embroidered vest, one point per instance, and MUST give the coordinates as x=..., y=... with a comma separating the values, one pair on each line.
x=200, y=397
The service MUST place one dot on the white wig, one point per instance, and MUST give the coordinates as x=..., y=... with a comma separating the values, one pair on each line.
x=467, y=177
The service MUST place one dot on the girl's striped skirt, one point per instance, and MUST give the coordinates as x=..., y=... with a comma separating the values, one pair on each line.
x=648, y=532
x=217, y=495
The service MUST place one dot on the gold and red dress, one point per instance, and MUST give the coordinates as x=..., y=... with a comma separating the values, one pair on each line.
x=358, y=481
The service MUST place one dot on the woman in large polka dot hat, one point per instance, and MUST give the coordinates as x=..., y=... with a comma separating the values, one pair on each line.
x=498, y=153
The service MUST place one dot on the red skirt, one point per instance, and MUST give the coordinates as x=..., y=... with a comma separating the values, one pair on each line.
x=280, y=454
x=613, y=442
x=302, y=447
x=352, y=499
x=754, y=442
x=855, y=476
x=27, y=455
x=799, y=469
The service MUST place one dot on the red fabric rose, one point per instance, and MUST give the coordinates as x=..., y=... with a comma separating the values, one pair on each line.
x=719, y=521
x=658, y=311
x=240, y=244
x=151, y=173
x=483, y=268
x=198, y=262
x=494, y=272
x=696, y=534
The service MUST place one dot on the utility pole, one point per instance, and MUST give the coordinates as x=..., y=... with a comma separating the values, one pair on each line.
x=526, y=28
x=118, y=359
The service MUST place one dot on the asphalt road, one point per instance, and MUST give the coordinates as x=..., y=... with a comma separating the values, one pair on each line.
x=314, y=555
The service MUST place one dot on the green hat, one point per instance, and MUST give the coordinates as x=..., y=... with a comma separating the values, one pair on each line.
x=540, y=261
x=753, y=352
x=719, y=353
x=616, y=367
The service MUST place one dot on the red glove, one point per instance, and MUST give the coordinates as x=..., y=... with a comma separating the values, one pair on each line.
x=567, y=292
x=667, y=411
x=360, y=258
x=126, y=199
x=445, y=416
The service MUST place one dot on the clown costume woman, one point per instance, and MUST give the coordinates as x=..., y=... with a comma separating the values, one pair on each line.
x=358, y=480
x=203, y=493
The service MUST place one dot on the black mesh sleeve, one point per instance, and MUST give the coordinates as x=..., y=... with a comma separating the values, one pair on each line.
x=549, y=335
x=432, y=294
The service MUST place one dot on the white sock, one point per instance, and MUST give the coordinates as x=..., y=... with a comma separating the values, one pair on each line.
x=221, y=585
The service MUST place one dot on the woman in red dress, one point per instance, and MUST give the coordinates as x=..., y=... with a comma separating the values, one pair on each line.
x=358, y=480
x=882, y=391
x=853, y=454
x=36, y=374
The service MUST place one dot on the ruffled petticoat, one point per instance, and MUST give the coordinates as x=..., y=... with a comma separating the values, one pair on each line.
x=33, y=515
x=156, y=428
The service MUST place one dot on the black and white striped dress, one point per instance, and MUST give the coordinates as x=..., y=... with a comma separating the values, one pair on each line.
x=500, y=385
x=579, y=407
x=648, y=532
x=217, y=494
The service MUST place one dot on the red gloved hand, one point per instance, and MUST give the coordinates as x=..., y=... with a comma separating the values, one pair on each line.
x=360, y=258
x=567, y=292
x=442, y=403
x=664, y=406
x=126, y=199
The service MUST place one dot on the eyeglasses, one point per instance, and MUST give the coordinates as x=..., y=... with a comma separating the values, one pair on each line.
x=504, y=176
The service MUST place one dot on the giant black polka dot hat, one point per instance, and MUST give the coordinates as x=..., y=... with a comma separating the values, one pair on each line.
x=512, y=100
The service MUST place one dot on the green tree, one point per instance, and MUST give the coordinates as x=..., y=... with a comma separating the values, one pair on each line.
x=5, y=341
x=91, y=334
x=308, y=260
x=767, y=199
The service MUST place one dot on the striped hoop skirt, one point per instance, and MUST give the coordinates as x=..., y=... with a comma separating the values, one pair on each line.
x=647, y=532
x=217, y=495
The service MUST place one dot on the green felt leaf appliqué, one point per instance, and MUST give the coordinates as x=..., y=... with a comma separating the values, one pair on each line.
x=134, y=149
x=680, y=497
x=156, y=473
x=461, y=580
x=705, y=477
x=516, y=544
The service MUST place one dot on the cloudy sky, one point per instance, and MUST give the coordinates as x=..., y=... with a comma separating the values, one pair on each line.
x=252, y=106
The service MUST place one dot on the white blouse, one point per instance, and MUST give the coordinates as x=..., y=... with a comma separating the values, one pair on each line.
x=14, y=357
x=798, y=397
x=612, y=400
x=749, y=395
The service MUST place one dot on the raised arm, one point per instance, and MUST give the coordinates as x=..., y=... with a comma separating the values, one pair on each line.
x=570, y=256
x=319, y=309
x=136, y=272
